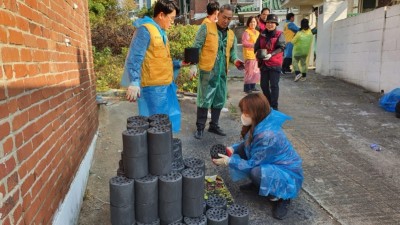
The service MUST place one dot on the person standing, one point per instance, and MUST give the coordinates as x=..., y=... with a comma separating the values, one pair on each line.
x=212, y=12
x=149, y=68
x=289, y=30
x=269, y=52
x=302, y=43
x=218, y=47
x=262, y=19
x=252, y=72
x=265, y=155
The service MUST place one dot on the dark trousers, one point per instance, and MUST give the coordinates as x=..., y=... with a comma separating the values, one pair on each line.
x=270, y=85
x=286, y=64
x=202, y=117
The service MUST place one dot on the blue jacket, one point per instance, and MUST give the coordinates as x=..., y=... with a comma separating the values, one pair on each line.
x=281, y=170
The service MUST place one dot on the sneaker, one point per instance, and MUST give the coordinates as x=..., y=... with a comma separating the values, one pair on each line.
x=250, y=187
x=280, y=209
x=216, y=130
x=298, y=76
x=256, y=90
x=198, y=134
x=303, y=78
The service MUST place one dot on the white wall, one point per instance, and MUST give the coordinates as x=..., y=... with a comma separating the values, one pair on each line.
x=365, y=50
x=390, y=70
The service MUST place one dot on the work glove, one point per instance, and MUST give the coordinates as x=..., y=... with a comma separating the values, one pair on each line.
x=229, y=151
x=267, y=57
x=133, y=93
x=239, y=64
x=223, y=161
x=193, y=71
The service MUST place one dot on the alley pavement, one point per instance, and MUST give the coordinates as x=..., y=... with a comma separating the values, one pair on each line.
x=333, y=126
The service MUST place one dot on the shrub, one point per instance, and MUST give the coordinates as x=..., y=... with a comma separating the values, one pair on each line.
x=181, y=37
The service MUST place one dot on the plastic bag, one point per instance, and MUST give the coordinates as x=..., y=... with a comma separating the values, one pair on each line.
x=389, y=100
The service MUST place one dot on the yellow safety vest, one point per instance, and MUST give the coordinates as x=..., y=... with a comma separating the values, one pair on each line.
x=157, y=67
x=289, y=34
x=248, y=53
x=206, y=20
x=210, y=48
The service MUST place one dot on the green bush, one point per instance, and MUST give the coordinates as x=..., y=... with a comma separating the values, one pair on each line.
x=181, y=37
x=108, y=68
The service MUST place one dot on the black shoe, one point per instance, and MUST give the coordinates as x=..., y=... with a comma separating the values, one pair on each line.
x=250, y=187
x=198, y=134
x=216, y=130
x=280, y=209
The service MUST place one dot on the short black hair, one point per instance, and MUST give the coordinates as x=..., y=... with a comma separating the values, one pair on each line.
x=262, y=10
x=226, y=7
x=212, y=7
x=250, y=19
x=166, y=7
x=289, y=15
x=304, y=24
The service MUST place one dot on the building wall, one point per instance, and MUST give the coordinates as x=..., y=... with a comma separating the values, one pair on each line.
x=48, y=112
x=365, y=49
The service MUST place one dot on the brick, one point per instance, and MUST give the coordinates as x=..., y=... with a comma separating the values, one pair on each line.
x=31, y=212
x=20, y=120
x=7, y=166
x=3, y=35
x=33, y=70
x=7, y=19
x=42, y=43
x=11, y=5
x=27, y=184
x=4, y=129
x=22, y=23
x=44, y=68
x=44, y=107
x=17, y=214
x=34, y=112
x=15, y=88
x=12, y=181
x=2, y=91
x=38, y=56
x=15, y=37
x=6, y=221
x=24, y=152
x=30, y=131
x=35, y=29
x=20, y=70
x=36, y=96
x=8, y=71
x=30, y=40
x=24, y=102
x=26, y=55
x=10, y=54
x=19, y=140
x=3, y=110
x=8, y=146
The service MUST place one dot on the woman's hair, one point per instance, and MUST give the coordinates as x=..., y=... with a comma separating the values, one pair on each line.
x=257, y=107
x=212, y=7
x=263, y=9
x=250, y=19
x=166, y=7
x=304, y=24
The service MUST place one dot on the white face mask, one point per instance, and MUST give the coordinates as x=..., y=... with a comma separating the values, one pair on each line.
x=246, y=121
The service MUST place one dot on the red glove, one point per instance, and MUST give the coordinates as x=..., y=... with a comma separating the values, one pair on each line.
x=239, y=64
x=229, y=151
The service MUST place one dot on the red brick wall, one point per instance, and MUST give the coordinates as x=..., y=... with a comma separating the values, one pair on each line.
x=48, y=113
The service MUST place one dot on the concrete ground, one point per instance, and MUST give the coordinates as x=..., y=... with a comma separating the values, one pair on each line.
x=333, y=125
